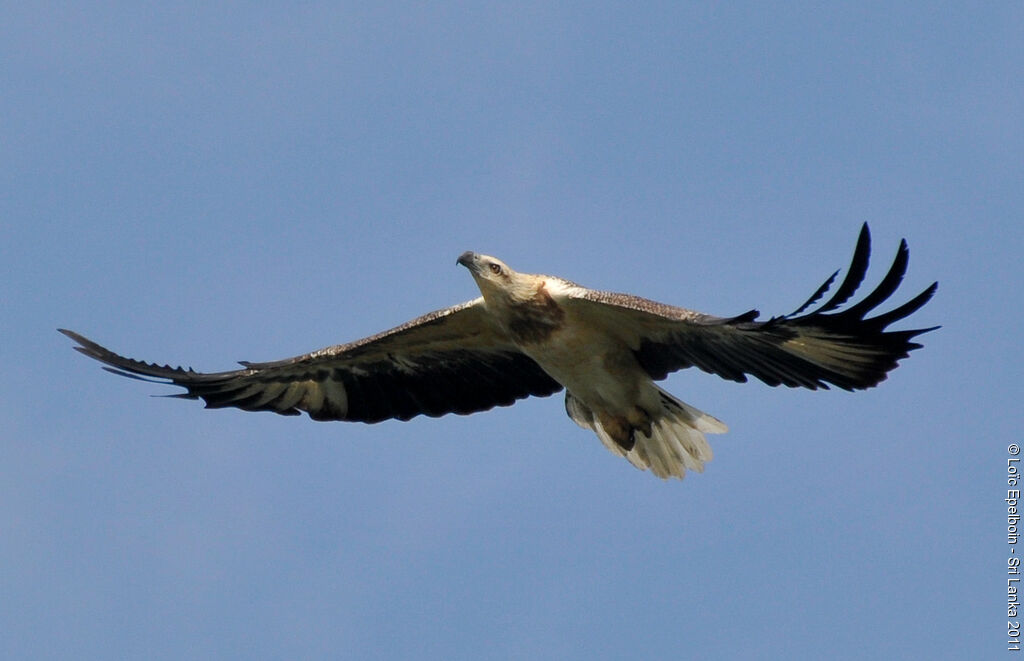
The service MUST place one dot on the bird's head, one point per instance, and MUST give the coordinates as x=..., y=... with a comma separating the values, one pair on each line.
x=495, y=279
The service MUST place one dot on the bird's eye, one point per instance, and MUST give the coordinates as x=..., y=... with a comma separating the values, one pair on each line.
x=495, y=268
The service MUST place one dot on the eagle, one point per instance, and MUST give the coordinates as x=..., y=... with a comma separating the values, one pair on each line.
x=538, y=334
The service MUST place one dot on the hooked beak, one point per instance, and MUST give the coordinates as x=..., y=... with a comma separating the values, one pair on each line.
x=467, y=259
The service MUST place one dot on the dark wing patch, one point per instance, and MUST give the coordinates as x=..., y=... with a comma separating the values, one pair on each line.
x=845, y=349
x=449, y=361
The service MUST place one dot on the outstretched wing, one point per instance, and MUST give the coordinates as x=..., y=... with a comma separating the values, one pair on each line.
x=449, y=361
x=812, y=350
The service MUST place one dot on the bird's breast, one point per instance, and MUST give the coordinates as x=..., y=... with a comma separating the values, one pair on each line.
x=534, y=320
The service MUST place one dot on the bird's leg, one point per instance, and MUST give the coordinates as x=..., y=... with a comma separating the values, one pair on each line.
x=623, y=429
x=618, y=429
x=639, y=421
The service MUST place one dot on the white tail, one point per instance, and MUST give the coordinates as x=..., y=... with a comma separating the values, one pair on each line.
x=676, y=443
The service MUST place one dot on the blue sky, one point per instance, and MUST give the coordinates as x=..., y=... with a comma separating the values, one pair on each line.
x=202, y=184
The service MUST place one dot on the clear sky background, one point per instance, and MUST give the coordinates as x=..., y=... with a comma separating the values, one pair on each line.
x=205, y=183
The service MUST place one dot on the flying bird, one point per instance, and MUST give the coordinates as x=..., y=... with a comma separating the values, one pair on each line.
x=537, y=334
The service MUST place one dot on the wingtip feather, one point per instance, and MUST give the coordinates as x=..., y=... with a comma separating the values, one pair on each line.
x=855, y=272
